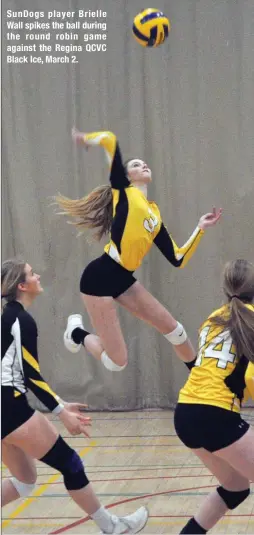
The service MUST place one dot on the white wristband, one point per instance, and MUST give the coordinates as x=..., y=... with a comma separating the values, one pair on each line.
x=58, y=409
x=60, y=400
x=178, y=336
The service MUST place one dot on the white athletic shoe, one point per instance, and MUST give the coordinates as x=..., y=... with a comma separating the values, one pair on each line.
x=131, y=523
x=74, y=321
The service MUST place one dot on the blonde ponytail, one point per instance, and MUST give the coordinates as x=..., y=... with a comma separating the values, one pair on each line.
x=95, y=211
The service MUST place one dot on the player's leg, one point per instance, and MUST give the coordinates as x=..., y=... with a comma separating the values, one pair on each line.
x=202, y=429
x=143, y=305
x=109, y=346
x=103, y=316
x=240, y=454
x=49, y=447
x=233, y=490
x=23, y=471
x=101, y=281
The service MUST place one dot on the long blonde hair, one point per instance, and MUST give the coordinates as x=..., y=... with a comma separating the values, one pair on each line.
x=95, y=211
x=238, y=285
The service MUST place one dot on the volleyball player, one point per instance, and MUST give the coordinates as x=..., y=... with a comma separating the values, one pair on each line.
x=207, y=416
x=134, y=223
x=27, y=434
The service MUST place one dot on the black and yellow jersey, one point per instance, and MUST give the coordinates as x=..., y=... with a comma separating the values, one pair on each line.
x=137, y=222
x=20, y=366
x=216, y=360
x=249, y=381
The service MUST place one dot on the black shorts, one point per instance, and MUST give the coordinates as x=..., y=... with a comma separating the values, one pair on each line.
x=105, y=277
x=207, y=426
x=15, y=411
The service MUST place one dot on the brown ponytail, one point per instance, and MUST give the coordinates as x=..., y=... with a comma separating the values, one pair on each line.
x=238, y=286
x=95, y=211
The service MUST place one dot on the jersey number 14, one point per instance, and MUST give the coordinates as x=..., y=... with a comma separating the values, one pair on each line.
x=220, y=348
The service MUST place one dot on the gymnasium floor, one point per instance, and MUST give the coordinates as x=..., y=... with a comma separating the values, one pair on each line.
x=132, y=459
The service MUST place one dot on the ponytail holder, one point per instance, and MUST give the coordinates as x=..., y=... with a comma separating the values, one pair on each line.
x=232, y=296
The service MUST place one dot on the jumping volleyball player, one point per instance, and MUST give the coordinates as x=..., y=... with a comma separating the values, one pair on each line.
x=134, y=223
x=207, y=417
x=28, y=434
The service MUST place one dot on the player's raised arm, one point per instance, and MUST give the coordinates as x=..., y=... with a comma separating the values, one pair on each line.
x=108, y=141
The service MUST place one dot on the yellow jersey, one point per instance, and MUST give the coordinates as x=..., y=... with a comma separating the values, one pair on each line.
x=249, y=381
x=216, y=360
x=137, y=222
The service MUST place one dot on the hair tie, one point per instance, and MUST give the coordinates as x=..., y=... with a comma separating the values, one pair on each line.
x=232, y=296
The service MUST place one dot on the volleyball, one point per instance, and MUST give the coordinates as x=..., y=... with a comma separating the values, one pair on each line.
x=151, y=27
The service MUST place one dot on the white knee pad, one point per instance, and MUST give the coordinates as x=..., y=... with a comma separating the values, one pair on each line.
x=109, y=364
x=178, y=336
x=23, y=489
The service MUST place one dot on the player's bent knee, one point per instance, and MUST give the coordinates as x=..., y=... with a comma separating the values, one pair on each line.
x=64, y=459
x=178, y=336
x=233, y=498
x=74, y=474
x=23, y=489
x=110, y=365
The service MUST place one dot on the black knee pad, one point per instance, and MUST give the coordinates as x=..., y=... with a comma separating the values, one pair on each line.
x=67, y=461
x=193, y=528
x=233, y=498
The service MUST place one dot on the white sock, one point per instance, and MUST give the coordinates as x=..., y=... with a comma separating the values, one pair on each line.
x=103, y=519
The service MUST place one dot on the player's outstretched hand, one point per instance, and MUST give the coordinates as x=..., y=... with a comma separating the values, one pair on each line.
x=79, y=137
x=75, y=407
x=75, y=423
x=210, y=219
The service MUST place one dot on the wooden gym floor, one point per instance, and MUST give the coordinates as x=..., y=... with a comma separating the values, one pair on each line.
x=132, y=459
